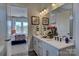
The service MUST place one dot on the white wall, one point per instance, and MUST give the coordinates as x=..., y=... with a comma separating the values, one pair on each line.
x=31, y=12
x=2, y=23
x=3, y=29
x=76, y=26
x=16, y=11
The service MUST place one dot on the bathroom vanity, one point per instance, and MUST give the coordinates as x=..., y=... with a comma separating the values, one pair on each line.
x=51, y=47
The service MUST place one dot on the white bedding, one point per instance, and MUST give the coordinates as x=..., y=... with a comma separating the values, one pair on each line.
x=21, y=49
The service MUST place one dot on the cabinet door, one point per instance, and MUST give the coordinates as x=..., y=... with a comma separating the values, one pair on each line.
x=52, y=51
x=40, y=48
x=44, y=49
x=36, y=46
x=45, y=52
x=40, y=51
x=34, y=43
x=49, y=50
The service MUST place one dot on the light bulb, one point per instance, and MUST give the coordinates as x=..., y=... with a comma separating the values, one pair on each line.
x=42, y=12
x=53, y=4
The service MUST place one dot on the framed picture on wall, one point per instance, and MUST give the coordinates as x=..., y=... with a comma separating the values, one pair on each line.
x=35, y=20
x=45, y=21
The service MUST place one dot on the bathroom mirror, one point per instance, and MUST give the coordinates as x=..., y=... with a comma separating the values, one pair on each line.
x=62, y=17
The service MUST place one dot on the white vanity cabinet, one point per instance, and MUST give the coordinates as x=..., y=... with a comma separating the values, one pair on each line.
x=40, y=48
x=49, y=50
x=44, y=47
x=37, y=45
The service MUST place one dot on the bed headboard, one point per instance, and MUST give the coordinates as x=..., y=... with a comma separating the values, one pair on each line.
x=20, y=37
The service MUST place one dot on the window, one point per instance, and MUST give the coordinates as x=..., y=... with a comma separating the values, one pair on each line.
x=9, y=27
x=21, y=27
x=18, y=27
x=13, y=21
x=25, y=27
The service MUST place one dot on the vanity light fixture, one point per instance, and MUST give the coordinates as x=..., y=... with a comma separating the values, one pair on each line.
x=45, y=11
x=54, y=4
x=40, y=13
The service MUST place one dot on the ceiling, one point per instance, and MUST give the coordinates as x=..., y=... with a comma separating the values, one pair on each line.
x=63, y=8
x=38, y=6
x=67, y=6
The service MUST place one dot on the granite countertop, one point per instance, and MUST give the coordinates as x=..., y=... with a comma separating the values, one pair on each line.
x=57, y=44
